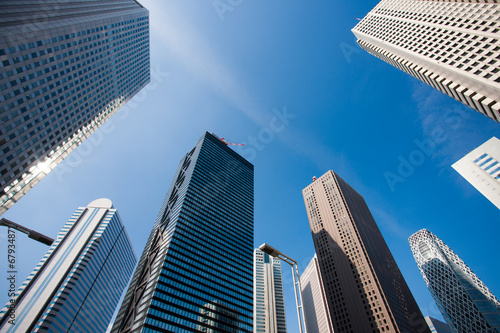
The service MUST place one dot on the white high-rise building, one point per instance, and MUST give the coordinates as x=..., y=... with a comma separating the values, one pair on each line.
x=268, y=300
x=78, y=283
x=451, y=45
x=481, y=168
x=465, y=302
x=316, y=312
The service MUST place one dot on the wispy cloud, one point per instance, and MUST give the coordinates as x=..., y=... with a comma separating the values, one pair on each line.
x=205, y=63
x=200, y=58
x=458, y=123
x=386, y=221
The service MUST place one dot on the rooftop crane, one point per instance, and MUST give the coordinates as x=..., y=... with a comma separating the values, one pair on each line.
x=230, y=143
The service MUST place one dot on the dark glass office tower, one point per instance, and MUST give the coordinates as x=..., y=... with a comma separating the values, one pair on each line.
x=65, y=68
x=195, y=273
x=364, y=288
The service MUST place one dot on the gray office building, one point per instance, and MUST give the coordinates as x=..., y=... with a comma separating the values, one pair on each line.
x=65, y=68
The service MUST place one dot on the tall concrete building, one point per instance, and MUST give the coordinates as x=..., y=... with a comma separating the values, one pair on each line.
x=315, y=306
x=268, y=299
x=452, y=46
x=78, y=283
x=196, y=271
x=364, y=288
x=481, y=168
x=65, y=68
x=465, y=302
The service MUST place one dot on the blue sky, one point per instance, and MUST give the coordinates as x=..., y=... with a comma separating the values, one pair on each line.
x=289, y=81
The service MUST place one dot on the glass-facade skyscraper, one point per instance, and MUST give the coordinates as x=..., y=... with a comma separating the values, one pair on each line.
x=364, y=288
x=465, y=302
x=78, y=283
x=269, y=302
x=453, y=46
x=65, y=68
x=195, y=274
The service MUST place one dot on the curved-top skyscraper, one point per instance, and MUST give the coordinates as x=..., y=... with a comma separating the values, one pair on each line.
x=465, y=302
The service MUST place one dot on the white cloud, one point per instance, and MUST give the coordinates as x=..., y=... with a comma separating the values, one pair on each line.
x=187, y=44
x=458, y=122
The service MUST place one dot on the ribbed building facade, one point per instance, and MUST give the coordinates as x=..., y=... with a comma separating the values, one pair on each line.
x=196, y=271
x=364, y=288
x=481, y=168
x=268, y=300
x=65, y=68
x=315, y=306
x=452, y=46
x=465, y=302
x=78, y=283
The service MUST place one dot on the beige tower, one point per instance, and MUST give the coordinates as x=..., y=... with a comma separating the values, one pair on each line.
x=451, y=45
x=364, y=288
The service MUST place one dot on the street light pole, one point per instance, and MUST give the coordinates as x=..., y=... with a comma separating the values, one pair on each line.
x=296, y=281
x=31, y=233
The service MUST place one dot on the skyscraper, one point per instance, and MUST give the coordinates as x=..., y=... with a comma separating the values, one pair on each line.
x=437, y=326
x=78, y=283
x=316, y=313
x=364, y=288
x=481, y=168
x=268, y=300
x=465, y=302
x=195, y=273
x=65, y=68
x=452, y=46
